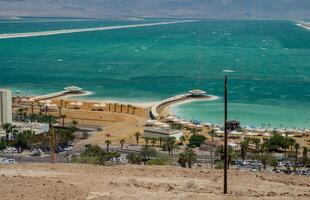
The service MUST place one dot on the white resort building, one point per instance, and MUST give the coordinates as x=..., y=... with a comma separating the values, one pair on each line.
x=5, y=106
x=73, y=89
x=197, y=93
x=155, y=132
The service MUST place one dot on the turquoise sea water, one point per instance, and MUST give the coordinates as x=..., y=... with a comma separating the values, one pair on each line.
x=271, y=60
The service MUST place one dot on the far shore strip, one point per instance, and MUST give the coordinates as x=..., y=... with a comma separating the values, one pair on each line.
x=66, y=31
x=304, y=25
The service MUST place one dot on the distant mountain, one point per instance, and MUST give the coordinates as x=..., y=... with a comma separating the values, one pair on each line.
x=298, y=9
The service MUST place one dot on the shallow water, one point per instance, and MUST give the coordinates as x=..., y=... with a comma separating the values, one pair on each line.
x=271, y=60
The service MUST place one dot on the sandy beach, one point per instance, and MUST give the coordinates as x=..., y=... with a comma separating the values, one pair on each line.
x=75, y=181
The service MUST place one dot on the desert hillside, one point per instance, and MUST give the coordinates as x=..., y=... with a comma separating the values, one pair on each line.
x=61, y=181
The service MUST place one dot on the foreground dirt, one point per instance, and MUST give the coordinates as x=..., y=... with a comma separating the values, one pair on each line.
x=61, y=181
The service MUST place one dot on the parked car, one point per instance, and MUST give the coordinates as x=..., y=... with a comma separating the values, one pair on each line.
x=59, y=149
x=7, y=161
x=68, y=148
x=35, y=152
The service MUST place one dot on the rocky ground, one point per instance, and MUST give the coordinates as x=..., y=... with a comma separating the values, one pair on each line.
x=88, y=182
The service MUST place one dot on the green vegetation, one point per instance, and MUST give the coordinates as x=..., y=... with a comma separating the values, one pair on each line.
x=196, y=140
x=95, y=155
x=169, y=144
x=187, y=158
x=27, y=139
x=148, y=156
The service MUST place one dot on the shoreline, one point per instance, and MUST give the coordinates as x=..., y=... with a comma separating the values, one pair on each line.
x=165, y=109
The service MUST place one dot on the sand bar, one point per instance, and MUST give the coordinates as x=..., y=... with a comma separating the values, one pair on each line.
x=66, y=31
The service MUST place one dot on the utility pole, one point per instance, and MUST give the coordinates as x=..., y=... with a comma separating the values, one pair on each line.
x=225, y=140
x=52, y=142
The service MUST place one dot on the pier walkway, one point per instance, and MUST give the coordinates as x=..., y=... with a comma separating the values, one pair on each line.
x=154, y=109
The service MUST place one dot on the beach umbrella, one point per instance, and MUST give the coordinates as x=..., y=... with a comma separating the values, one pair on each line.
x=252, y=134
x=157, y=123
x=207, y=124
x=232, y=144
x=48, y=101
x=79, y=103
x=42, y=102
x=72, y=105
x=266, y=134
x=96, y=106
x=190, y=125
x=103, y=105
x=184, y=122
x=170, y=118
x=235, y=133
x=165, y=125
x=176, y=120
x=150, y=122
x=199, y=126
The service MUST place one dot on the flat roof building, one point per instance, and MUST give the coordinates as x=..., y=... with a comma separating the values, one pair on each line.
x=5, y=106
x=197, y=93
x=153, y=132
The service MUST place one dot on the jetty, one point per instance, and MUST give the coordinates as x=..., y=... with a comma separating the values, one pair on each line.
x=72, y=90
x=193, y=94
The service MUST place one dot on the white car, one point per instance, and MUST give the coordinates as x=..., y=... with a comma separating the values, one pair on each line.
x=69, y=148
x=7, y=161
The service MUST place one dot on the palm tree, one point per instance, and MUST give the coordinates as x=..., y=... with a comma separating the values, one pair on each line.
x=115, y=106
x=122, y=141
x=63, y=116
x=182, y=160
x=290, y=143
x=305, y=159
x=146, y=139
x=190, y=156
x=212, y=133
x=133, y=110
x=187, y=157
x=153, y=141
x=8, y=129
x=264, y=159
x=137, y=135
x=244, y=149
x=108, y=143
x=15, y=132
x=32, y=107
x=232, y=154
x=128, y=108
x=52, y=140
x=273, y=162
x=296, y=146
x=256, y=142
x=182, y=139
x=169, y=144
x=161, y=141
